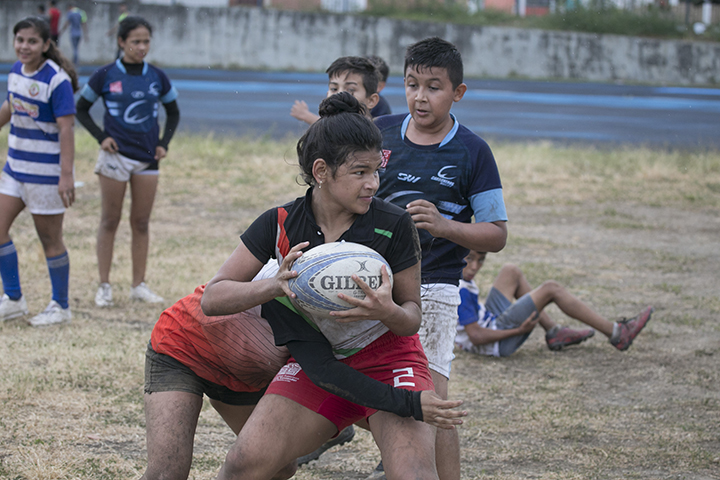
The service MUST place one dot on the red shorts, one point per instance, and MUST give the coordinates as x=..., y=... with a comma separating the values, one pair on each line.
x=391, y=359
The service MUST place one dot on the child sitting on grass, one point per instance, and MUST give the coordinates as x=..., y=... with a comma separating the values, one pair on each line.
x=500, y=327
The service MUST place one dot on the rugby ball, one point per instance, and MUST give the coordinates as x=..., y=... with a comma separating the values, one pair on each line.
x=326, y=270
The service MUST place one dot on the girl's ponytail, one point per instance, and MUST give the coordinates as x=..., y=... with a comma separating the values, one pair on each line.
x=42, y=27
x=56, y=56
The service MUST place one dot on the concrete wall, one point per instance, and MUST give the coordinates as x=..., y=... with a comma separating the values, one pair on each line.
x=254, y=38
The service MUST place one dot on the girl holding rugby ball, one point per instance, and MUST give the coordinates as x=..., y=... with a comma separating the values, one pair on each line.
x=339, y=156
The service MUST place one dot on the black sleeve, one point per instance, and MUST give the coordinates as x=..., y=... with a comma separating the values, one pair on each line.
x=315, y=356
x=83, y=116
x=171, y=123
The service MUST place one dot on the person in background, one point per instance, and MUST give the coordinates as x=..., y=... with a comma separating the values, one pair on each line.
x=130, y=149
x=499, y=327
x=355, y=75
x=382, y=107
x=76, y=20
x=54, y=15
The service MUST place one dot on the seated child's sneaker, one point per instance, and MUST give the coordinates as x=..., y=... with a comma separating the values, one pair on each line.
x=625, y=331
x=559, y=337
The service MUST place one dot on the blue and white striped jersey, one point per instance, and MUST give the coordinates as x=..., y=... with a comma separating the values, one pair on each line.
x=36, y=101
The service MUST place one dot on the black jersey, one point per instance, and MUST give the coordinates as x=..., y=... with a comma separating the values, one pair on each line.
x=385, y=228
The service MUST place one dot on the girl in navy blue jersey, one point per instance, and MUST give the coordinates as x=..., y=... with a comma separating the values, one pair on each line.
x=38, y=173
x=131, y=148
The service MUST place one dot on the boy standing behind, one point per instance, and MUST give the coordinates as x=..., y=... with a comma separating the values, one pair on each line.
x=355, y=75
x=382, y=107
x=444, y=175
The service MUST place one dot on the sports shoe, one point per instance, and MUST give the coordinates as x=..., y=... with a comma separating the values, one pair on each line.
x=627, y=329
x=103, y=297
x=564, y=336
x=378, y=473
x=52, y=315
x=143, y=294
x=344, y=437
x=12, y=308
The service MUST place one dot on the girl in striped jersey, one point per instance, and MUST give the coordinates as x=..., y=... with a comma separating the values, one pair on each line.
x=38, y=173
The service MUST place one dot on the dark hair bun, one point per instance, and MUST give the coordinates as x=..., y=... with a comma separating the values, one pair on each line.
x=338, y=103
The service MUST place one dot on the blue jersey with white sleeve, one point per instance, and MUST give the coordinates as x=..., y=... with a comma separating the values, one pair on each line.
x=36, y=101
x=459, y=176
x=471, y=310
x=131, y=106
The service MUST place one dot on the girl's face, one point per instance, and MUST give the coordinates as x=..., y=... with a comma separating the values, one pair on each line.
x=355, y=182
x=136, y=46
x=29, y=48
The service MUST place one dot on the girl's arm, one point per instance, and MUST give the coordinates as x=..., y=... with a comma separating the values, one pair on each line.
x=83, y=116
x=4, y=113
x=171, y=123
x=232, y=290
x=66, y=134
x=314, y=353
x=481, y=336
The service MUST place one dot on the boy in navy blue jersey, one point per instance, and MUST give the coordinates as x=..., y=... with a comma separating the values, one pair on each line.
x=444, y=175
x=382, y=107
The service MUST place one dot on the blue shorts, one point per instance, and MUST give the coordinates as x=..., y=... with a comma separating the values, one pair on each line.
x=510, y=315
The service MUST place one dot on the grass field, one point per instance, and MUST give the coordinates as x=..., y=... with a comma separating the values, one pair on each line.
x=622, y=228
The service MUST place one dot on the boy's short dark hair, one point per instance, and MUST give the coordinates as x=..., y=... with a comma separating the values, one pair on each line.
x=359, y=65
x=435, y=52
x=382, y=67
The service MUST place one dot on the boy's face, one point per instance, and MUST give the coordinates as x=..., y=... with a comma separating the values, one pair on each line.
x=430, y=94
x=353, y=84
x=474, y=262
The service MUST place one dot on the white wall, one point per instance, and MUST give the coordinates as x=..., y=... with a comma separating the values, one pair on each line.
x=255, y=38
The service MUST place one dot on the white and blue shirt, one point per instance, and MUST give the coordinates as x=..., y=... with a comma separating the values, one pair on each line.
x=36, y=101
x=472, y=311
x=131, y=106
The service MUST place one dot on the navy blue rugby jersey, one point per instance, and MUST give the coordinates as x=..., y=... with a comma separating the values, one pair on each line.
x=131, y=106
x=382, y=108
x=459, y=176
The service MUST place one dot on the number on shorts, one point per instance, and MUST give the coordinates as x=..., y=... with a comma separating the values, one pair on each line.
x=407, y=373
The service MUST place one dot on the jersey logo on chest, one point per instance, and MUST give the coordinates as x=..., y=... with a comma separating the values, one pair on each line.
x=443, y=177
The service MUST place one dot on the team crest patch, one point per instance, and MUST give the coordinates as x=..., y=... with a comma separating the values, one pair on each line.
x=288, y=373
x=34, y=90
x=116, y=87
x=386, y=158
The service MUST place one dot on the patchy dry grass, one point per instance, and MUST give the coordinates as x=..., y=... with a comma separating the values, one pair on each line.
x=622, y=228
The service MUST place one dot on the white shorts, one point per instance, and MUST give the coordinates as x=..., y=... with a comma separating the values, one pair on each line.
x=119, y=167
x=439, y=325
x=40, y=199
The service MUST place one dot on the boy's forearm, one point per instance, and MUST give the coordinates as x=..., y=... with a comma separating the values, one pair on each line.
x=406, y=321
x=481, y=237
x=483, y=336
